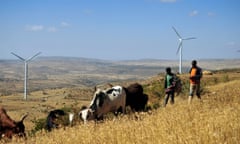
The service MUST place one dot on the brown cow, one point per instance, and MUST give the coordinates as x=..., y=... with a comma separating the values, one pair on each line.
x=9, y=127
x=136, y=99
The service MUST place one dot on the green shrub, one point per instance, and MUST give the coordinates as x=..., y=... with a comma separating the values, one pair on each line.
x=40, y=124
x=225, y=78
x=156, y=106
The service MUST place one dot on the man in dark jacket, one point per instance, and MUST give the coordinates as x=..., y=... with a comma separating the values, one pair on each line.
x=169, y=86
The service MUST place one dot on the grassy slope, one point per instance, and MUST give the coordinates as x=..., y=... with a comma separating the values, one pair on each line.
x=216, y=120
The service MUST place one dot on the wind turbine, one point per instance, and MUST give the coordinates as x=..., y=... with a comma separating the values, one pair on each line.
x=26, y=71
x=180, y=46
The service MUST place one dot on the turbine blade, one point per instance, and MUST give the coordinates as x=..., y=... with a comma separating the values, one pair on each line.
x=18, y=56
x=177, y=33
x=29, y=59
x=189, y=38
x=180, y=45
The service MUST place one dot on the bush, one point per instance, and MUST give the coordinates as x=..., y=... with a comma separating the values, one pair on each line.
x=40, y=124
x=225, y=78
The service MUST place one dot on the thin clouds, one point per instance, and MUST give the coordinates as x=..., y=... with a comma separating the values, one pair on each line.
x=196, y=12
x=88, y=12
x=38, y=28
x=34, y=28
x=193, y=13
x=52, y=29
x=211, y=14
x=232, y=44
x=65, y=24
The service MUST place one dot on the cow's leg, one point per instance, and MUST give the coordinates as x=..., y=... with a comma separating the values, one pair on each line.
x=99, y=118
x=119, y=110
x=123, y=109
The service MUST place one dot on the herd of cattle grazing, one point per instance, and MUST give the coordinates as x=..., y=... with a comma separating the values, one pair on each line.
x=114, y=99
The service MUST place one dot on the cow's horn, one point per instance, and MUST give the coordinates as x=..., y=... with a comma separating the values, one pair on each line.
x=110, y=85
x=23, y=117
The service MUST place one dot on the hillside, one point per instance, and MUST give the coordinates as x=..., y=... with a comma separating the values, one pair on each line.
x=65, y=72
x=215, y=120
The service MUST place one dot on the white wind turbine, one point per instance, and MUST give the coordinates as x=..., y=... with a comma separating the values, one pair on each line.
x=26, y=71
x=180, y=48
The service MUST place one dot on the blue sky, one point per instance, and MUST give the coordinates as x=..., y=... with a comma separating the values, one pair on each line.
x=120, y=29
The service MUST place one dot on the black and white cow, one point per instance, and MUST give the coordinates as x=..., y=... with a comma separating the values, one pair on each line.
x=86, y=114
x=104, y=101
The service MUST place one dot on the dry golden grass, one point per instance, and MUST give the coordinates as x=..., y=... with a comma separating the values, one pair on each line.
x=215, y=120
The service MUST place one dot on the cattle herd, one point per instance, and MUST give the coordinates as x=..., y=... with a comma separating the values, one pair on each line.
x=114, y=99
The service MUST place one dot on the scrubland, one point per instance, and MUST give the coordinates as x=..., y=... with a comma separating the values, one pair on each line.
x=214, y=120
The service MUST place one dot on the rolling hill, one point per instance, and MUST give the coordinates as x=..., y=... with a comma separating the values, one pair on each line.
x=60, y=72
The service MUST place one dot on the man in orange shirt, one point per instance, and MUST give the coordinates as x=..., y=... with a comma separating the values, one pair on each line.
x=195, y=78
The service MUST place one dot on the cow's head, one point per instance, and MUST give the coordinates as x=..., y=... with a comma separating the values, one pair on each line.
x=98, y=99
x=86, y=115
x=108, y=100
x=20, y=128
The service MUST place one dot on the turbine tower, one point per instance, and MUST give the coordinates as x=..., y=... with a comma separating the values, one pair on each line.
x=26, y=71
x=180, y=46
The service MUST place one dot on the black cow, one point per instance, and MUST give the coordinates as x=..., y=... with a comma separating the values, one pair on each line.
x=135, y=98
x=51, y=119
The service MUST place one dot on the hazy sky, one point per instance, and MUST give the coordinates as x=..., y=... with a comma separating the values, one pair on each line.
x=120, y=29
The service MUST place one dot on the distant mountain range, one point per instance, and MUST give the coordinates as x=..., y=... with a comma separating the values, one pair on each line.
x=54, y=72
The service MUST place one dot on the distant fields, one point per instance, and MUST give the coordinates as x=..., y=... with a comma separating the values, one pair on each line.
x=62, y=72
